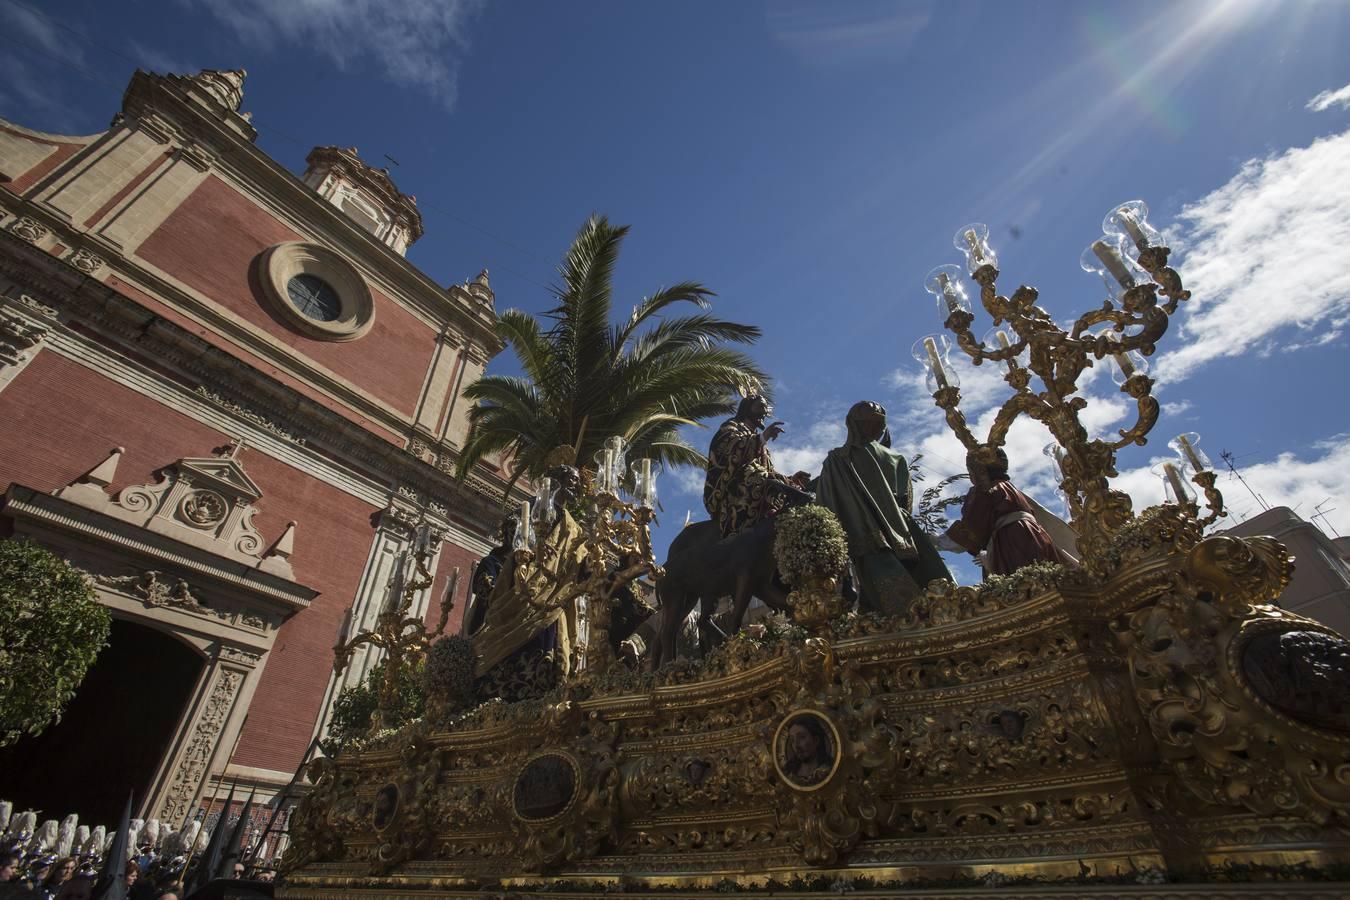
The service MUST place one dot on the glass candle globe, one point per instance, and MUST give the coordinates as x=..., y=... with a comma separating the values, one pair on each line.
x=1130, y=220
x=1056, y=455
x=544, y=512
x=973, y=241
x=604, y=472
x=1106, y=256
x=616, y=444
x=944, y=283
x=524, y=538
x=1187, y=448
x=1002, y=337
x=1126, y=365
x=644, y=483
x=1174, y=483
x=932, y=353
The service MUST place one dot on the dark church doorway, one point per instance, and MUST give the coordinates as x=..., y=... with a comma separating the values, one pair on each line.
x=113, y=734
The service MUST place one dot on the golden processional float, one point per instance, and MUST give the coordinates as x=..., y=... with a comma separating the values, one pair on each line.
x=1150, y=717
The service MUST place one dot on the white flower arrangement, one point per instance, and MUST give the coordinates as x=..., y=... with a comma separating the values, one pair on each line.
x=810, y=543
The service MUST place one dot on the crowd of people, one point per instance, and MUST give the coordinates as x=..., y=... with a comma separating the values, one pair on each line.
x=64, y=860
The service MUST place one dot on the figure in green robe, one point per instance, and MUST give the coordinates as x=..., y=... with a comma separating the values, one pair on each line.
x=867, y=486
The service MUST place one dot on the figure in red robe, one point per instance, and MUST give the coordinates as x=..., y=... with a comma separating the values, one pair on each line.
x=1001, y=525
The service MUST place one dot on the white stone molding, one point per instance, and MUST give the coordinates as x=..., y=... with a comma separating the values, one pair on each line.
x=280, y=263
x=159, y=543
x=22, y=335
x=206, y=502
x=240, y=398
x=188, y=771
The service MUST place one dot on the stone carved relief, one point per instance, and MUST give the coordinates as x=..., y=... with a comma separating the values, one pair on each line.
x=191, y=766
x=28, y=229
x=86, y=261
x=155, y=589
x=249, y=415
x=207, y=502
x=18, y=336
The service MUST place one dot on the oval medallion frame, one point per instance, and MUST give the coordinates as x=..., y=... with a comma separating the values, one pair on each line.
x=1240, y=674
x=573, y=768
x=391, y=815
x=834, y=748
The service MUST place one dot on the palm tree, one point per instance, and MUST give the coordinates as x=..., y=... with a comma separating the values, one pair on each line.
x=587, y=379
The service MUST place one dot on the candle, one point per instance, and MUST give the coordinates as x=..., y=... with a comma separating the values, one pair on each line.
x=423, y=539
x=949, y=293
x=1126, y=364
x=525, y=515
x=973, y=241
x=931, y=346
x=1113, y=263
x=1127, y=218
x=1174, y=478
x=1191, y=456
x=607, y=469
x=346, y=626
x=1002, y=338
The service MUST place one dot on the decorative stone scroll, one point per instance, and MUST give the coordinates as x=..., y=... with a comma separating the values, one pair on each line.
x=207, y=502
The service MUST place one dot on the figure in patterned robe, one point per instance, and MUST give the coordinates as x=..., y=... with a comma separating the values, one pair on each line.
x=738, y=491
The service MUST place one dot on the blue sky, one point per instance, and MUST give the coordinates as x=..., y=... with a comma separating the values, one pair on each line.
x=810, y=162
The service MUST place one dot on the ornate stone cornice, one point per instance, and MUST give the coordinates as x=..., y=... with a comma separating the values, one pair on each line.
x=346, y=162
x=107, y=318
x=226, y=138
x=98, y=528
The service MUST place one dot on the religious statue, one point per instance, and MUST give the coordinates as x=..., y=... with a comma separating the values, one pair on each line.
x=1002, y=527
x=741, y=485
x=486, y=573
x=867, y=486
x=530, y=623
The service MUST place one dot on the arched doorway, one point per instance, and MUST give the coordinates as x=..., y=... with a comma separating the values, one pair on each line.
x=114, y=732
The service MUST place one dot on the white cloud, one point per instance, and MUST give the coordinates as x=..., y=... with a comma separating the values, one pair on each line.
x=153, y=60
x=845, y=33
x=1267, y=258
x=1177, y=408
x=804, y=452
x=1328, y=99
x=1300, y=482
x=39, y=31
x=686, y=481
x=414, y=42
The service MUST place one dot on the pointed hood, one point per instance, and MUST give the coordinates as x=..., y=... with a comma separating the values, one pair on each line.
x=112, y=881
x=210, y=858
x=233, y=850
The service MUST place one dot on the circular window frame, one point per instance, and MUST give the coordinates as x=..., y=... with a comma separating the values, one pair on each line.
x=282, y=262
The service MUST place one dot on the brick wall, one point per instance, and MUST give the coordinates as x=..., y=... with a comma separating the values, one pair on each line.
x=390, y=362
x=60, y=419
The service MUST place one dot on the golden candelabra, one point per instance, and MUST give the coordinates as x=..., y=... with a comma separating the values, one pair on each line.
x=402, y=637
x=618, y=550
x=1126, y=328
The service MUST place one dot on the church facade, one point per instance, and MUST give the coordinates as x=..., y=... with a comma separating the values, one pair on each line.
x=228, y=397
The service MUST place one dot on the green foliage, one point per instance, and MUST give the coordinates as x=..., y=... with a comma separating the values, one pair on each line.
x=586, y=379
x=354, y=707
x=51, y=631
x=930, y=512
x=809, y=541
